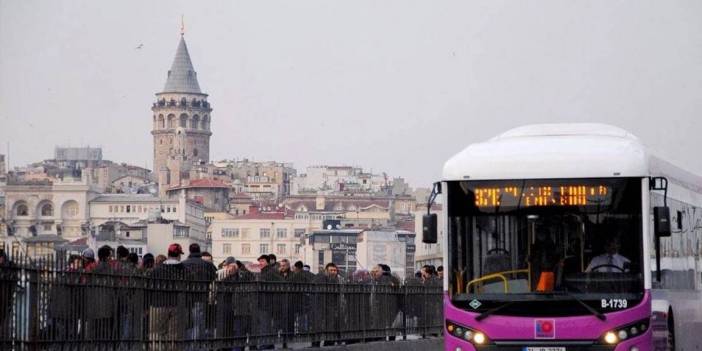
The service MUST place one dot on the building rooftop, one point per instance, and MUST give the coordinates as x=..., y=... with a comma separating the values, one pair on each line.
x=202, y=183
x=182, y=77
x=129, y=198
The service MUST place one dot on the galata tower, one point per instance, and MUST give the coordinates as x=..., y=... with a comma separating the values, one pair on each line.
x=182, y=118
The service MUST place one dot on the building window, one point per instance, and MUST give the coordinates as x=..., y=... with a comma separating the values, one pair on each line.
x=110, y=209
x=263, y=248
x=47, y=210
x=245, y=249
x=226, y=249
x=230, y=232
x=265, y=233
x=281, y=233
x=126, y=234
x=174, y=209
x=280, y=249
x=245, y=233
x=47, y=227
x=181, y=232
x=299, y=233
x=121, y=209
x=129, y=209
x=22, y=210
x=297, y=249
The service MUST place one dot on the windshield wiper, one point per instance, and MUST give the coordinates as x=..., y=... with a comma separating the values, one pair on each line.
x=489, y=312
x=590, y=309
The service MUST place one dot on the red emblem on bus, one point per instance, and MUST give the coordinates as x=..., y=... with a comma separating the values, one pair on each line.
x=544, y=329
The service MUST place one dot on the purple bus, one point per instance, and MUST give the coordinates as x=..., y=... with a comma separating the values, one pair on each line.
x=560, y=238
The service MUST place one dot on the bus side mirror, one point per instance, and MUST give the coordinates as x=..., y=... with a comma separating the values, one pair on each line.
x=429, y=228
x=661, y=221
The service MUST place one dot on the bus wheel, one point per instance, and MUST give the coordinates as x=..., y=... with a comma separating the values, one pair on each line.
x=671, y=331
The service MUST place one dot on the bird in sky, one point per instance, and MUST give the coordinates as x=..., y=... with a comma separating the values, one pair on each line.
x=139, y=47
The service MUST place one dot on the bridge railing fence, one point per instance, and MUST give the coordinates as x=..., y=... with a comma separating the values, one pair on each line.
x=47, y=304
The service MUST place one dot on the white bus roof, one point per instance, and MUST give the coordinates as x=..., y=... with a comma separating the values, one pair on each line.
x=574, y=150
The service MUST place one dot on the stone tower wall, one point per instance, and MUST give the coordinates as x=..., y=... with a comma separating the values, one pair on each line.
x=191, y=114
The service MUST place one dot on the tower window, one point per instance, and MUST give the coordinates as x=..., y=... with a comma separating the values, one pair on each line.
x=194, y=152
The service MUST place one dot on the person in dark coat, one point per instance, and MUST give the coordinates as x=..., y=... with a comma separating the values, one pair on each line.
x=234, y=308
x=166, y=299
x=198, y=267
x=100, y=294
x=303, y=302
x=302, y=275
x=204, y=273
x=147, y=263
x=9, y=277
x=326, y=315
x=284, y=270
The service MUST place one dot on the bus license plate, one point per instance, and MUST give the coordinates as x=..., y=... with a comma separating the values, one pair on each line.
x=544, y=349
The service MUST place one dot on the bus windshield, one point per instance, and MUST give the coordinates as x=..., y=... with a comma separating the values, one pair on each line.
x=548, y=242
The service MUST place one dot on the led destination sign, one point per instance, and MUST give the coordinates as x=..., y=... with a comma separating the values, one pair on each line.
x=543, y=195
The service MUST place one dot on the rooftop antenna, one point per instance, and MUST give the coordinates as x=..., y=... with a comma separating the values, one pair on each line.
x=182, y=25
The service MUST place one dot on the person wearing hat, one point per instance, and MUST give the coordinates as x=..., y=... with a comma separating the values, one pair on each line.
x=89, y=263
x=229, y=271
x=166, y=317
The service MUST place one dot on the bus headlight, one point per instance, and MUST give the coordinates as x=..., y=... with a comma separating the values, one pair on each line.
x=625, y=332
x=479, y=338
x=465, y=333
x=610, y=338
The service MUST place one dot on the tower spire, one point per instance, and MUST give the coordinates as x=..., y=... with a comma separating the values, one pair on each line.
x=182, y=77
x=182, y=25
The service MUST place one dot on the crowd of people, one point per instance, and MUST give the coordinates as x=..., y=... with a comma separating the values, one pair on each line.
x=199, y=265
x=167, y=298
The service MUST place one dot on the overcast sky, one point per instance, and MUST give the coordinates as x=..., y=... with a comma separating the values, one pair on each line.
x=398, y=86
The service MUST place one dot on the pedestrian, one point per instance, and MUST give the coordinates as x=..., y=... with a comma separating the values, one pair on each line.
x=284, y=270
x=133, y=260
x=159, y=260
x=326, y=318
x=268, y=300
x=63, y=293
x=126, y=300
x=206, y=256
x=204, y=273
x=122, y=263
x=262, y=261
x=101, y=294
x=273, y=262
x=440, y=272
x=167, y=311
x=10, y=278
x=287, y=323
x=392, y=302
x=233, y=307
x=199, y=268
x=302, y=275
x=89, y=263
x=428, y=276
x=147, y=263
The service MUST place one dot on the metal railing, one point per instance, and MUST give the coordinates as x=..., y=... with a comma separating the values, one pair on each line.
x=48, y=305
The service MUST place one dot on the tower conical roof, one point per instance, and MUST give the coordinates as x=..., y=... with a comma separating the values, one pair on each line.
x=182, y=77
